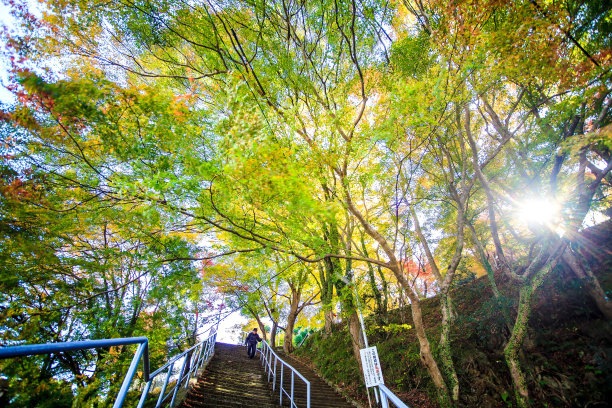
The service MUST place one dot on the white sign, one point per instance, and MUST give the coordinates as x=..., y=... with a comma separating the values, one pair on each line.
x=371, y=367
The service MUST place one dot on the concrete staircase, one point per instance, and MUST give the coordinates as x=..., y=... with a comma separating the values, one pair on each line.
x=232, y=380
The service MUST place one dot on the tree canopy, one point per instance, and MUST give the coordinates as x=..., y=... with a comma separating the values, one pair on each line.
x=326, y=154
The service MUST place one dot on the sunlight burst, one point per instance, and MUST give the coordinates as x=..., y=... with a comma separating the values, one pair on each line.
x=539, y=211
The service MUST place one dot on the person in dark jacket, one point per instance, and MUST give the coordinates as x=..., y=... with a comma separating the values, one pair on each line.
x=251, y=343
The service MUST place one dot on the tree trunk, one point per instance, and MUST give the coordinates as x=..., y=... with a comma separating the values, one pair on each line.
x=425, y=351
x=349, y=312
x=261, y=325
x=291, y=318
x=519, y=331
x=357, y=339
x=191, y=340
x=327, y=292
x=445, y=304
x=491, y=277
x=417, y=314
x=445, y=346
x=385, y=289
x=273, y=334
x=375, y=291
x=262, y=328
x=288, y=340
x=592, y=285
x=329, y=319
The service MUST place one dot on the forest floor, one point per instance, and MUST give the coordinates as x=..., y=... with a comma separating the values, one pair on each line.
x=567, y=356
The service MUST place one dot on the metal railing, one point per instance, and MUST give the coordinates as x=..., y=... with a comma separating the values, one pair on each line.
x=270, y=361
x=49, y=348
x=386, y=394
x=303, y=339
x=197, y=355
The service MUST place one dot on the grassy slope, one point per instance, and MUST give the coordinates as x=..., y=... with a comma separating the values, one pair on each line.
x=568, y=357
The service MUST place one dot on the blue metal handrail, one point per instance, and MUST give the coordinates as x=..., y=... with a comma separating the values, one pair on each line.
x=49, y=348
x=203, y=351
x=198, y=355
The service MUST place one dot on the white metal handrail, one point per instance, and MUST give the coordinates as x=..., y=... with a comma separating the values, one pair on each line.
x=386, y=393
x=303, y=339
x=268, y=356
x=270, y=360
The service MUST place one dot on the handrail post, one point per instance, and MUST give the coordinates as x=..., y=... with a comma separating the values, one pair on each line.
x=210, y=346
x=198, y=354
x=270, y=361
x=202, y=355
x=262, y=355
x=292, y=381
x=130, y=374
x=144, y=394
x=383, y=400
x=386, y=395
x=193, y=364
x=281, y=383
x=163, y=390
x=206, y=354
x=178, y=381
x=269, y=368
x=275, y=363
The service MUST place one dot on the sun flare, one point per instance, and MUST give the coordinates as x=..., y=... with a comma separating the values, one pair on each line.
x=539, y=211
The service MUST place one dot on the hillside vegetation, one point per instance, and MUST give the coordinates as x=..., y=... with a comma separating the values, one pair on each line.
x=567, y=358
